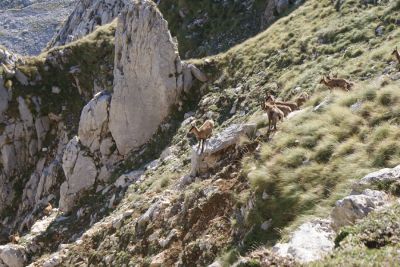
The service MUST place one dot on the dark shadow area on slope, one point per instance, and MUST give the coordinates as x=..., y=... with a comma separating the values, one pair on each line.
x=205, y=27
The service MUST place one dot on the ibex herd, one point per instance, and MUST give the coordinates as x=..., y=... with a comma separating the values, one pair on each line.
x=277, y=110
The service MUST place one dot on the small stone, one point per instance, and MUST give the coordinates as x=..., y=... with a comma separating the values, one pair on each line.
x=55, y=89
x=266, y=225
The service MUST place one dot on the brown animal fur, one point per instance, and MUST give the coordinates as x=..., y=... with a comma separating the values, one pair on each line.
x=285, y=109
x=336, y=83
x=47, y=211
x=301, y=99
x=270, y=98
x=14, y=239
x=396, y=53
x=202, y=133
x=274, y=115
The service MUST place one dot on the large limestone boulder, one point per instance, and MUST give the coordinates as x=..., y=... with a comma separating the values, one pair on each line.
x=354, y=207
x=203, y=162
x=147, y=75
x=80, y=172
x=93, y=124
x=310, y=242
x=12, y=255
x=382, y=177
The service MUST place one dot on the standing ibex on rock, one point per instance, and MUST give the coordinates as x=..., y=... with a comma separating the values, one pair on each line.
x=203, y=133
x=396, y=53
x=332, y=82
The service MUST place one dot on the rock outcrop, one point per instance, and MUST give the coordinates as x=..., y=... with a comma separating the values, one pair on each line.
x=215, y=146
x=21, y=140
x=147, y=75
x=311, y=241
x=88, y=14
x=382, y=177
x=12, y=256
x=354, y=207
x=80, y=172
x=93, y=124
x=315, y=239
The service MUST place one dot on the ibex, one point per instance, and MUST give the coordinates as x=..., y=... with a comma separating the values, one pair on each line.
x=270, y=98
x=331, y=82
x=285, y=109
x=396, y=53
x=274, y=115
x=14, y=239
x=203, y=133
x=301, y=99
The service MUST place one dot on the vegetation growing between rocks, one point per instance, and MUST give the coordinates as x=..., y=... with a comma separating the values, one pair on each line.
x=91, y=56
x=372, y=241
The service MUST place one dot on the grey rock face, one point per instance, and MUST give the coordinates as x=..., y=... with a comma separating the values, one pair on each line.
x=384, y=176
x=310, y=242
x=12, y=255
x=3, y=99
x=354, y=207
x=93, y=124
x=146, y=77
x=80, y=172
x=28, y=25
x=87, y=15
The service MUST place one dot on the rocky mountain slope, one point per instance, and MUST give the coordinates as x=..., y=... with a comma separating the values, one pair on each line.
x=202, y=27
x=27, y=26
x=97, y=168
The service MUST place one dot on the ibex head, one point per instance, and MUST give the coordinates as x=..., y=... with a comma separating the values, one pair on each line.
x=395, y=52
x=192, y=126
x=323, y=80
x=269, y=98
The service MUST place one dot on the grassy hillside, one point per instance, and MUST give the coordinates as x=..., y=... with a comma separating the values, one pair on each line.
x=311, y=161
